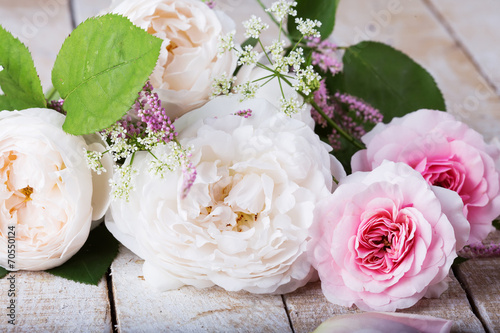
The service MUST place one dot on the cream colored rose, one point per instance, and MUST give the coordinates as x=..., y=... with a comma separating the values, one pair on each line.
x=46, y=189
x=188, y=60
x=244, y=223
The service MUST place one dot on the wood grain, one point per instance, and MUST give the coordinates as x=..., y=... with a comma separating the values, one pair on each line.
x=481, y=279
x=475, y=25
x=308, y=308
x=140, y=308
x=411, y=27
x=47, y=303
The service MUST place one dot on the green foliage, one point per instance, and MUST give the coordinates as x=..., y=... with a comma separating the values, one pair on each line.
x=459, y=260
x=496, y=224
x=3, y=272
x=321, y=10
x=387, y=79
x=18, y=80
x=92, y=261
x=100, y=69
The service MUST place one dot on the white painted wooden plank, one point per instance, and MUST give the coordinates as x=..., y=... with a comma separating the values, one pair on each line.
x=140, y=308
x=83, y=9
x=308, y=308
x=47, y=303
x=475, y=24
x=481, y=279
x=412, y=28
x=42, y=26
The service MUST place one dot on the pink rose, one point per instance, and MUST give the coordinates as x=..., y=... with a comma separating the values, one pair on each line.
x=384, y=322
x=386, y=238
x=448, y=154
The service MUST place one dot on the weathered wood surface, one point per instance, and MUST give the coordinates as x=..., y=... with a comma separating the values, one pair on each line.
x=47, y=303
x=139, y=308
x=455, y=40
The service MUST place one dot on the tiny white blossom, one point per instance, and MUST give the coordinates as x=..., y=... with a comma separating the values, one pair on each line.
x=119, y=147
x=247, y=90
x=276, y=48
x=1, y=68
x=221, y=85
x=282, y=8
x=247, y=56
x=122, y=184
x=93, y=159
x=307, y=80
x=289, y=106
x=295, y=58
x=254, y=26
x=226, y=43
x=164, y=163
x=307, y=27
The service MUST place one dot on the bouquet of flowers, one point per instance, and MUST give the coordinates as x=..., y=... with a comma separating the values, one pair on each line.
x=241, y=164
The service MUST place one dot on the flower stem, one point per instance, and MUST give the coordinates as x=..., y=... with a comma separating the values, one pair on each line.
x=336, y=127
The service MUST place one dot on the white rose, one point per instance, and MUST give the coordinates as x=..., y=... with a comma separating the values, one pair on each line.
x=46, y=189
x=188, y=59
x=244, y=223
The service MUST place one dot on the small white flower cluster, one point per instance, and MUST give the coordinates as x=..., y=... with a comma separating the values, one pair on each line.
x=307, y=27
x=281, y=64
x=222, y=85
x=247, y=56
x=226, y=43
x=119, y=148
x=290, y=106
x=254, y=27
x=122, y=184
x=280, y=9
x=247, y=90
x=306, y=80
x=94, y=161
x=171, y=161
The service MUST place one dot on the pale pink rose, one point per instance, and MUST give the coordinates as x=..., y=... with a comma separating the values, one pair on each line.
x=188, y=59
x=448, y=154
x=380, y=322
x=386, y=238
x=48, y=195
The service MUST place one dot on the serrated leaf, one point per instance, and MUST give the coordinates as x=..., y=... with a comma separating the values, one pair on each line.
x=321, y=10
x=18, y=78
x=100, y=69
x=387, y=79
x=92, y=261
x=3, y=272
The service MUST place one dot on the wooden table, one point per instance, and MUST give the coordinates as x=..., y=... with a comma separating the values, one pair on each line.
x=456, y=40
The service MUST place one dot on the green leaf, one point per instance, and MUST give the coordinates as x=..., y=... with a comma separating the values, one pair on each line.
x=18, y=79
x=459, y=260
x=496, y=224
x=3, y=272
x=321, y=10
x=92, y=261
x=387, y=79
x=100, y=69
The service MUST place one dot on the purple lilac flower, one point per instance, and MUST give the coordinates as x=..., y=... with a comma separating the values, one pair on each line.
x=332, y=107
x=480, y=250
x=244, y=113
x=324, y=55
x=153, y=115
x=57, y=105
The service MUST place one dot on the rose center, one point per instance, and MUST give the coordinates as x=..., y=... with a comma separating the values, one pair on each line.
x=27, y=191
